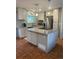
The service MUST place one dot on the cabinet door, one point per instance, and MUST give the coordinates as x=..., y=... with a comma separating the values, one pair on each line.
x=29, y=37
x=21, y=34
x=32, y=38
x=42, y=39
x=42, y=42
x=25, y=31
x=21, y=14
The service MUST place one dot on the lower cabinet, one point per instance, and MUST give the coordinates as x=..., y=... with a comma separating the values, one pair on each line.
x=44, y=42
x=47, y=42
x=32, y=37
x=38, y=40
x=22, y=32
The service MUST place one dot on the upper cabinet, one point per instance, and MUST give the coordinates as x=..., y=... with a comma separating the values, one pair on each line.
x=21, y=14
x=41, y=16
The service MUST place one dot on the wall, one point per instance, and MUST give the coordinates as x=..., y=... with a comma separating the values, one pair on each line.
x=55, y=21
x=58, y=21
x=61, y=23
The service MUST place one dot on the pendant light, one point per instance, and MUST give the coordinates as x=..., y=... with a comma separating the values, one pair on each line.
x=49, y=4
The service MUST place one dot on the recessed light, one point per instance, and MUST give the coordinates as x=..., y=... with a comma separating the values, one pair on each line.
x=48, y=13
x=36, y=14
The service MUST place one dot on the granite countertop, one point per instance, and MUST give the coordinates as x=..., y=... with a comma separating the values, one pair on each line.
x=40, y=31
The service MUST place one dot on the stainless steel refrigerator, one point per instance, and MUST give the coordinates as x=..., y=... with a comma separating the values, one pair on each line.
x=49, y=22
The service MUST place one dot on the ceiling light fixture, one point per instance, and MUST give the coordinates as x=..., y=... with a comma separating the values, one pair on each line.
x=36, y=14
x=49, y=4
x=37, y=9
x=48, y=13
x=33, y=10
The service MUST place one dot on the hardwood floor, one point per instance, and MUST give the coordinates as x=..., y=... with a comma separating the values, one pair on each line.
x=25, y=50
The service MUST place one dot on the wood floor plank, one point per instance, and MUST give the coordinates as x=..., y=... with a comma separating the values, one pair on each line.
x=25, y=50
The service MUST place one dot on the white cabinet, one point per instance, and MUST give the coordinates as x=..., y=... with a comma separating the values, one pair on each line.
x=41, y=16
x=21, y=14
x=22, y=32
x=32, y=37
x=43, y=41
x=47, y=42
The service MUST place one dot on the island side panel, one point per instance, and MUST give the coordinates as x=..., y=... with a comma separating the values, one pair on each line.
x=52, y=38
x=42, y=42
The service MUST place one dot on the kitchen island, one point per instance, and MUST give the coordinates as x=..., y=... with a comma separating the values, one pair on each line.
x=44, y=39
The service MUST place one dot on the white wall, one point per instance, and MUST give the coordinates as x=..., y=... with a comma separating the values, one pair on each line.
x=61, y=22
x=55, y=19
x=58, y=21
x=41, y=16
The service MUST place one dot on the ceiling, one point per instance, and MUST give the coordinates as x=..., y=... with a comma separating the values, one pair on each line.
x=42, y=4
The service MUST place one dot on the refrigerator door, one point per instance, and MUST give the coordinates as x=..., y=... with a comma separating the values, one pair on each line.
x=49, y=22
